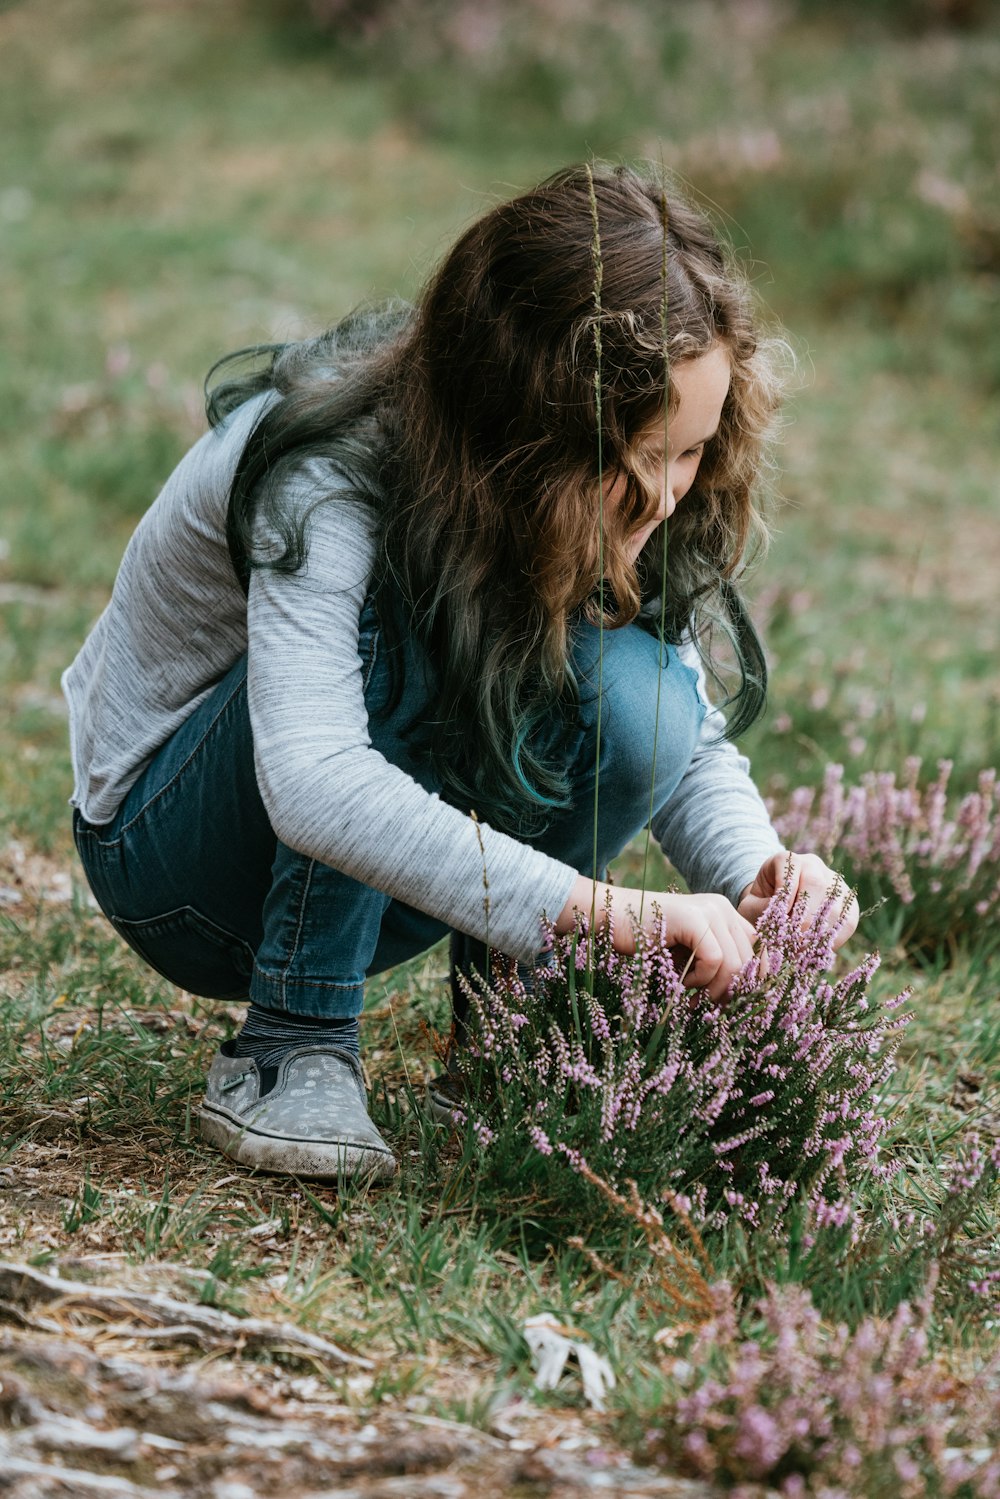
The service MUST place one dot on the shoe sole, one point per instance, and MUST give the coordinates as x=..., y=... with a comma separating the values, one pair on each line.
x=331, y=1160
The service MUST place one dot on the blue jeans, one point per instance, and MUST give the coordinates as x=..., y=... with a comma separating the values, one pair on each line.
x=191, y=874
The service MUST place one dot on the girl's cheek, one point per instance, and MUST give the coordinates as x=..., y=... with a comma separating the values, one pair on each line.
x=637, y=543
x=616, y=493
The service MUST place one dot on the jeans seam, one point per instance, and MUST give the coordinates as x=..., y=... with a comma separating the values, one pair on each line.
x=280, y=977
x=284, y=980
x=372, y=658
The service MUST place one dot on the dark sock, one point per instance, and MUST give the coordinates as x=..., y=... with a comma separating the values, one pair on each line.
x=269, y=1035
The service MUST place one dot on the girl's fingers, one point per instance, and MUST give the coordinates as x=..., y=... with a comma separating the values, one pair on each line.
x=752, y=907
x=722, y=949
x=709, y=966
x=716, y=942
x=811, y=882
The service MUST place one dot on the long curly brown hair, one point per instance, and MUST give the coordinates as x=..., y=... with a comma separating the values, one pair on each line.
x=471, y=423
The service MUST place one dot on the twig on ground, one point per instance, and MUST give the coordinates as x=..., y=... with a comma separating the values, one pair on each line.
x=22, y=1286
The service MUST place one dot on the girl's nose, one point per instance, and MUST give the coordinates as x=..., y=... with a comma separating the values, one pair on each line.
x=668, y=498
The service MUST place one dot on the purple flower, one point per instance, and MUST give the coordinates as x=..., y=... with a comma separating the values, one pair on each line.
x=820, y=1410
x=601, y=1062
x=939, y=854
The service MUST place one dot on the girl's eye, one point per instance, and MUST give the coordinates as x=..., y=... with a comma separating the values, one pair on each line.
x=695, y=452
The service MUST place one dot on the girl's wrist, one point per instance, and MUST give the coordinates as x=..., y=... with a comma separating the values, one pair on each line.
x=587, y=898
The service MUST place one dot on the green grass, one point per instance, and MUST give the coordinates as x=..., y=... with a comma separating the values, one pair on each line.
x=179, y=183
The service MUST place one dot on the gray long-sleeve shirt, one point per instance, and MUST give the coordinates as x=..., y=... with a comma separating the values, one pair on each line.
x=178, y=619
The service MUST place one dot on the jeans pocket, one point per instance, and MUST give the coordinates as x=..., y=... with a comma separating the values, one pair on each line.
x=192, y=952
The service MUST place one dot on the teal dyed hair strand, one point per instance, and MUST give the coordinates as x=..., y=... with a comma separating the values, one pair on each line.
x=536, y=796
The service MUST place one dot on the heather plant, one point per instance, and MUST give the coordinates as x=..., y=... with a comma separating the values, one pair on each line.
x=935, y=853
x=605, y=1064
x=781, y=1398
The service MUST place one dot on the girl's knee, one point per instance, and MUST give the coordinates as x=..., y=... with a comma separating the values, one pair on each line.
x=650, y=714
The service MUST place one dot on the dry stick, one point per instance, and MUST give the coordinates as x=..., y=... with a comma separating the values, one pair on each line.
x=23, y=1286
x=664, y=307
x=598, y=1263
x=693, y=1292
x=598, y=398
x=80, y=1480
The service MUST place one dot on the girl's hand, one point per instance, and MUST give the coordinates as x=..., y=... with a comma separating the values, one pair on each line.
x=718, y=939
x=810, y=878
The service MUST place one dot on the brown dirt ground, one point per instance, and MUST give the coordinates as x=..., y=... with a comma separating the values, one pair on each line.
x=103, y=1401
x=95, y=1410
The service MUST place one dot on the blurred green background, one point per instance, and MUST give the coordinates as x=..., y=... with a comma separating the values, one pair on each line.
x=180, y=179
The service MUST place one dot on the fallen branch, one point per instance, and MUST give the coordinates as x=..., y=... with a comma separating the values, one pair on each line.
x=80, y=1481
x=22, y=1287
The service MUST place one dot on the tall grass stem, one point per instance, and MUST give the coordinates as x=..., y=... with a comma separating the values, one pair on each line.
x=664, y=308
x=598, y=398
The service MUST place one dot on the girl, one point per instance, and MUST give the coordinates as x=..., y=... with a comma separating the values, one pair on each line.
x=368, y=604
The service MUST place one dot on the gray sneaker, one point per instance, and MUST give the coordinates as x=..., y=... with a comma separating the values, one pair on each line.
x=306, y=1117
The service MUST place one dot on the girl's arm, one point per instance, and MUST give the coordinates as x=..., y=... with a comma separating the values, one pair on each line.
x=328, y=792
x=717, y=831
x=715, y=828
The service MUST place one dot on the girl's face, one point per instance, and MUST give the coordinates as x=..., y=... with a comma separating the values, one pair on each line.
x=702, y=385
